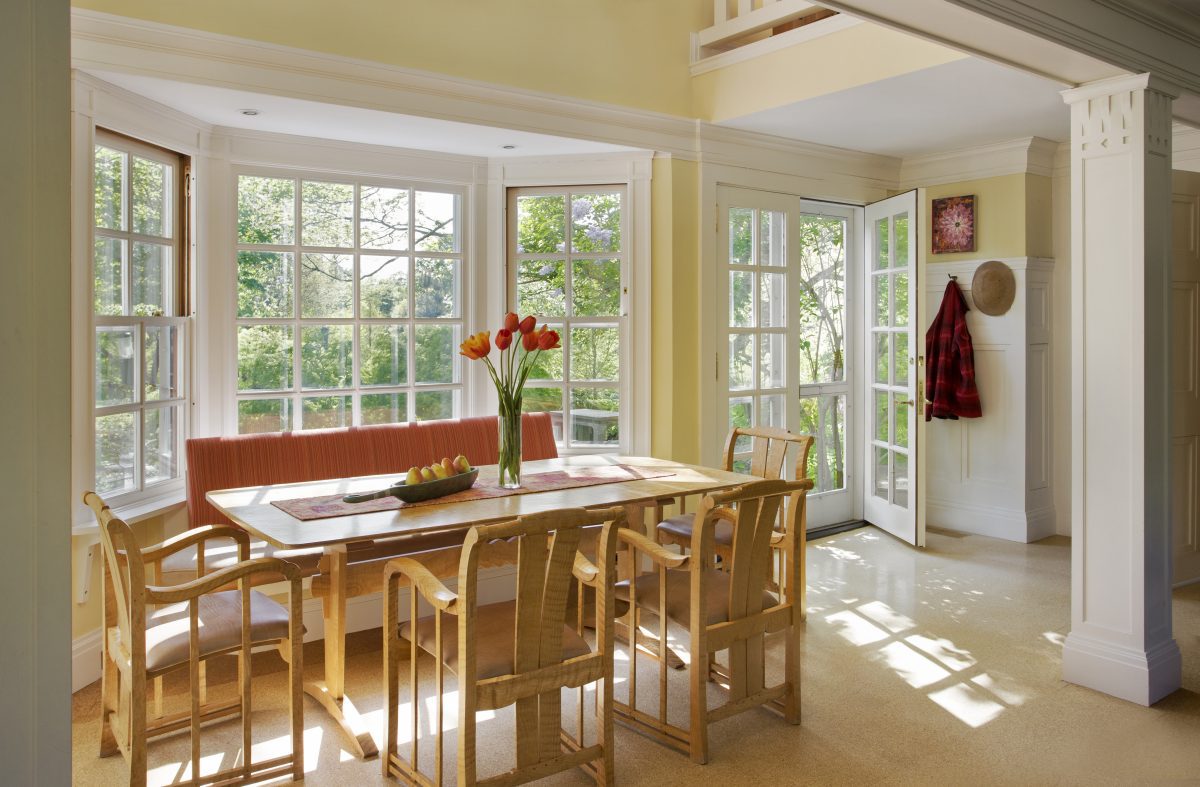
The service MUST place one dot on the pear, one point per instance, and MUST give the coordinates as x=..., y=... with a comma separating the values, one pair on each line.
x=449, y=466
x=440, y=471
x=461, y=464
x=413, y=477
x=427, y=474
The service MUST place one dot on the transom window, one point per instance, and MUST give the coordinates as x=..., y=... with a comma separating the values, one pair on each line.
x=568, y=265
x=139, y=331
x=349, y=303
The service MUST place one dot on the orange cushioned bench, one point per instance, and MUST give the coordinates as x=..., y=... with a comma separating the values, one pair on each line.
x=289, y=457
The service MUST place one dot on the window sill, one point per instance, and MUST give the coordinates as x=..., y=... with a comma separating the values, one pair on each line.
x=139, y=511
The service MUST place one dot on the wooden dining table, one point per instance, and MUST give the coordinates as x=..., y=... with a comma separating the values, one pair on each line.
x=342, y=536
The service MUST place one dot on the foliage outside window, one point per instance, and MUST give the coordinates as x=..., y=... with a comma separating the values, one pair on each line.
x=139, y=333
x=349, y=303
x=567, y=264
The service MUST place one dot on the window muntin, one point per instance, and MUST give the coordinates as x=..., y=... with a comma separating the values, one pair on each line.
x=139, y=333
x=350, y=302
x=568, y=266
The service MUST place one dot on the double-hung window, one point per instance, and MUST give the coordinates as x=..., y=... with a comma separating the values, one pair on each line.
x=568, y=265
x=139, y=331
x=349, y=302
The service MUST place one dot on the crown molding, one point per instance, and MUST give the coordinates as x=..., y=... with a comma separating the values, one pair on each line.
x=1028, y=155
x=114, y=43
x=110, y=106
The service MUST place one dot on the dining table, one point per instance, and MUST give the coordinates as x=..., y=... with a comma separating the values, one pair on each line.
x=256, y=510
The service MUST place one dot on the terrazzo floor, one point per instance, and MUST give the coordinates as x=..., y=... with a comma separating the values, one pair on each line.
x=934, y=666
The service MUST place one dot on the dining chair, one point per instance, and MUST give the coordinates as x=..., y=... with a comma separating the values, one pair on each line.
x=721, y=609
x=150, y=630
x=768, y=453
x=521, y=652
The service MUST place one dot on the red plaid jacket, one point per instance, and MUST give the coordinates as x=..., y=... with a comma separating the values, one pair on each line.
x=950, y=390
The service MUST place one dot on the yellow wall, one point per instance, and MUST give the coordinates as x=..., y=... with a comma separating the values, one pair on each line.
x=623, y=52
x=85, y=618
x=1000, y=217
x=856, y=56
x=674, y=404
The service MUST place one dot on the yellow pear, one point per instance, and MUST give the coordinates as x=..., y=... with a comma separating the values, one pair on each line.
x=440, y=471
x=427, y=474
x=413, y=477
x=449, y=467
x=461, y=464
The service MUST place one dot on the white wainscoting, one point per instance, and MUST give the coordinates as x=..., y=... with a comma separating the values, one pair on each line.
x=992, y=475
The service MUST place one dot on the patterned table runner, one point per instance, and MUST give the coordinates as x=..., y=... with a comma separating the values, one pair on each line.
x=326, y=506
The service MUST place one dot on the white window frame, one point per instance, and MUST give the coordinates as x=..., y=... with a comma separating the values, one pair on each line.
x=180, y=243
x=633, y=172
x=564, y=323
x=297, y=393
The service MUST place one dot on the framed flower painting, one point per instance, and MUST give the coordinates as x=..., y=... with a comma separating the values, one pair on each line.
x=954, y=224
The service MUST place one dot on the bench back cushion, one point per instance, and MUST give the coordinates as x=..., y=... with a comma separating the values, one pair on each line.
x=289, y=457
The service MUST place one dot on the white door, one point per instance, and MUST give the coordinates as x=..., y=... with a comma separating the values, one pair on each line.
x=890, y=500
x=782, y=338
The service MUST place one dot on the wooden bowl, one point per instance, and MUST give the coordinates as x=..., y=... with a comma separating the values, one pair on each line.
x=426, y=490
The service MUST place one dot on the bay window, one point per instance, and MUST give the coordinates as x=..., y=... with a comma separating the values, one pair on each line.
x=568, y=266
x=349, y=302
x=139, y=332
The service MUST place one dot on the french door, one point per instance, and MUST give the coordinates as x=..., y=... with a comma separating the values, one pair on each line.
x=783, y=352
x=892, y=345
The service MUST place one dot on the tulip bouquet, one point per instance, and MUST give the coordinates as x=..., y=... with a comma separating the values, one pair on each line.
x=509, y=375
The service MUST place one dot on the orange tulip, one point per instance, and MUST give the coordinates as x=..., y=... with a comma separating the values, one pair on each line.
x=548, y=340
x=477, y=346
x=504, y=337
x=511, y=323
x=527, y=325
x=530, y=341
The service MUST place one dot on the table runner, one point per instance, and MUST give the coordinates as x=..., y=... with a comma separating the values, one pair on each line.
x=486, y=486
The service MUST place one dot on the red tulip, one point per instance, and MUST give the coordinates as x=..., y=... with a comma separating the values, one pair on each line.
x=511, y=323
x=477, y=346
x=530, y=341
x=548, y=340
x=504, y=337
x=527, y=325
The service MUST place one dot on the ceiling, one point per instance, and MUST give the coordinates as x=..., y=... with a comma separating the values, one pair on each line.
x=223, y=107
x=956, y=105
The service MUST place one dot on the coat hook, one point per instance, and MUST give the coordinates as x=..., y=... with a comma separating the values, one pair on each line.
x=952, y=277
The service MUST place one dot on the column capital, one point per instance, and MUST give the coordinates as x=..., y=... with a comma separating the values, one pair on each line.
x=1130, y=82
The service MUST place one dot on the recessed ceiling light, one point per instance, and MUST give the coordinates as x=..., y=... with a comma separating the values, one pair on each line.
x=249, y=112
x=509, y=147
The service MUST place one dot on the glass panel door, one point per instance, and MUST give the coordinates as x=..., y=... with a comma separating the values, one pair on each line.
x=825, y=249
x=782, y=344
x=890, y=500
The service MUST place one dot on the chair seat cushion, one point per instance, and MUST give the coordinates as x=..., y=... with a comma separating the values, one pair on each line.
x=220, y=619
x=180, y=567
x=495, y=634
x=679, y=595
x=681, y=527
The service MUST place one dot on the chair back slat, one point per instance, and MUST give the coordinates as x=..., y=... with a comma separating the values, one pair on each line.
x=768, y=450
x=125, y=568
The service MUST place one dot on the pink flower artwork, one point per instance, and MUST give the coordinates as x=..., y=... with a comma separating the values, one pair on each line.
x=954, y=224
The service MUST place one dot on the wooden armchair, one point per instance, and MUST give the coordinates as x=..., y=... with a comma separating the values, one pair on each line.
x=768, y=452
x=726, y=609
x=149, y=631
x=521, y=652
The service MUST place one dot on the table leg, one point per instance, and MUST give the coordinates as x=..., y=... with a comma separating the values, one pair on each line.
x=331, y=692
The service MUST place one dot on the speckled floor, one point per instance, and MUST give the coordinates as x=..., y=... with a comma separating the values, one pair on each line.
x=935, y=666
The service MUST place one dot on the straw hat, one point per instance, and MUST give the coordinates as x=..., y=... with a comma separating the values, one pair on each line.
x=993, y=288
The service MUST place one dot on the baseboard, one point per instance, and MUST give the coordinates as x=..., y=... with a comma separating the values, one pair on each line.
x=362, y=613
x=85, y=660
x=992, y=521
x=1138, y=676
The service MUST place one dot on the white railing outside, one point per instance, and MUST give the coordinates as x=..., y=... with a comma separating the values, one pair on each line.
x=748, y=17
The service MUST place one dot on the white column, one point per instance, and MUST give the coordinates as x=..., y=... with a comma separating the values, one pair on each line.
x=1120, y=641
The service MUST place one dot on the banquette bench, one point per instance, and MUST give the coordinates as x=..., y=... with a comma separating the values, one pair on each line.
x=289, y=457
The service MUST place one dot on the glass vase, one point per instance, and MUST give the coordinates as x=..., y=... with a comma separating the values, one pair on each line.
x=509, y=424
